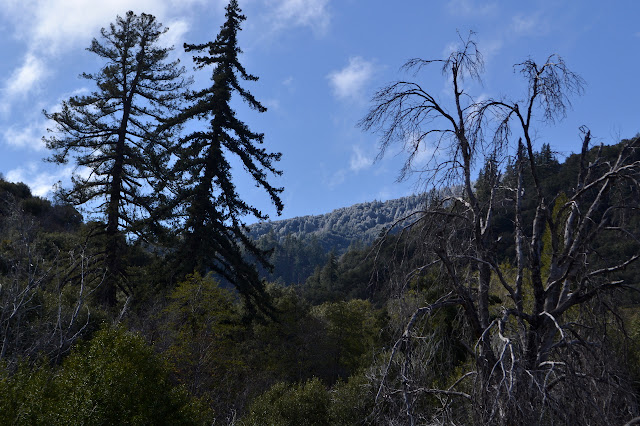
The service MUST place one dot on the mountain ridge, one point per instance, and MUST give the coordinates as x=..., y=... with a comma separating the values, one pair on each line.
x=360, y=222
x=302, y=244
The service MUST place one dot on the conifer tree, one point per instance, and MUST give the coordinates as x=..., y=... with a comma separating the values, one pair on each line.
x=111, y=134
x=213, y=233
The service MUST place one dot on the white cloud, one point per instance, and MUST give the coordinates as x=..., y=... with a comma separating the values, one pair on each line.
x=272, y=104
x=337, y=179
x=424, y=150
x=424, y=154
x=29, y=137
x=175, y=37
x=52, y=27
x=450, y=47
x=26, y=77
x=300, y=13
x=491, y=48
x=359, y=160
x=57, y=25
x=350, y=82
x=40, y=182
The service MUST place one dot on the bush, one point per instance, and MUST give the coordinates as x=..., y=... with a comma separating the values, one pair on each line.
x=310, y=403
x=113, y=379
x=282, y=405
x=351, y=401
x=117, y=378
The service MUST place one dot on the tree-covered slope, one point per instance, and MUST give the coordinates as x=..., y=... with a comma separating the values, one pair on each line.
x=337, y=230
x=303, y=244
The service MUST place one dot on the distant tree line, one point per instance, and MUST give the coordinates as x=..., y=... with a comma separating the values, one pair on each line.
x=360, y=223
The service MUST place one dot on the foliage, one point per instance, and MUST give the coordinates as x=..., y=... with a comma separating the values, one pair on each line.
x=200, y=334
x=117, y=378
x=282, y=405
x=28, y=396
x=112, y=134
x=352, y=276
x=288, y=347
x=213, y=232
x=114, y=378
x=47, y=274
x=311, y=403
x=351, y=401
x=498, y=300
x=293, y=260
x=352, y=335
x=339, y=229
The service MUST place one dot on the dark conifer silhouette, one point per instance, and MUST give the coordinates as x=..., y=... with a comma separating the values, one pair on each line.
x=111, y=135
x=214, y=235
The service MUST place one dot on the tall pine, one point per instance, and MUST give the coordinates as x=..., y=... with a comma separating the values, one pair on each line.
x=214, y=234
x=111, y=136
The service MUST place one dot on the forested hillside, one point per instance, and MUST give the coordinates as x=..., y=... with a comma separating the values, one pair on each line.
x=329, y=349
x=302, y=244
x=507, y=294
x=337, y=230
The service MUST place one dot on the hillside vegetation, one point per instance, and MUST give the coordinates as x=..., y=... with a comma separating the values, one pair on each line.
x=302, y=244
x=507, y=294
x=337, y=230
x=321, y=356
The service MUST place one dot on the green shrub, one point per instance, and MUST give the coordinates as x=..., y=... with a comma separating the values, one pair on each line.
x=28, y=395
x=113, y=379
x=351, y=401
x=310, y=403
x=304, y=404
x=116, y=378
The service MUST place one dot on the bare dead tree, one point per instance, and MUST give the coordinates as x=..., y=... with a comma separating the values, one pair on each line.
x=540, y=354
x=44, y=294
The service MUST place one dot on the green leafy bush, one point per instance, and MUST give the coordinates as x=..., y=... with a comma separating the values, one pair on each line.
x=305, y=404
x=311, y=403
x=113, y=379
x=116, y=378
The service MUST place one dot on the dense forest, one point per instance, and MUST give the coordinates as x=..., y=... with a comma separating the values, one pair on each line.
x=322, y=357
x=505, y=294
x=300, y=245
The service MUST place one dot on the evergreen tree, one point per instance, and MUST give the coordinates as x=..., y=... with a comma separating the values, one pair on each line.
x=329, y=274
x=214, y=235
x=110, y=133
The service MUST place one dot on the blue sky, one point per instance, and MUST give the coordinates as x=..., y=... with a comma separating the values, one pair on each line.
x=319, y=62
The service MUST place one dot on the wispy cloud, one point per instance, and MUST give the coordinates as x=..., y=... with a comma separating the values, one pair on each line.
x=350, y=82
x=41, y=182
x=175, y=37
x=491, y=48
x=336, y=179
x=288, y=82
x=57, y=25
x=314, y=14
x=50, y=28
x=471, y=8
x=25, y=78
x=423, y=149
x=359, y=160
x=423, y=155
x=29, y=137
x=530, y=24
